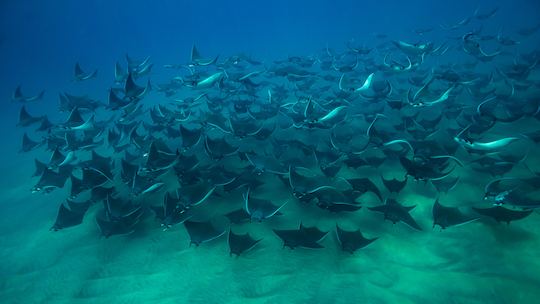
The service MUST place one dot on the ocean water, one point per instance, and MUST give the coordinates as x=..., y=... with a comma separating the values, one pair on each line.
x=478, y=262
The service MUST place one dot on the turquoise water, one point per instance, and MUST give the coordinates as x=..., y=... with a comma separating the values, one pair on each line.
x=482, y=261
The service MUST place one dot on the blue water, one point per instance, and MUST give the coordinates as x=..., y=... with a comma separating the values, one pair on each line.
x=40, y=41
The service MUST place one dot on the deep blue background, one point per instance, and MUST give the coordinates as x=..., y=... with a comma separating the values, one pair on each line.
x=41, y=40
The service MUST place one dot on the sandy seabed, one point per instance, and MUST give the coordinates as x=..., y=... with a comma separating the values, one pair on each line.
x=481, y=262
